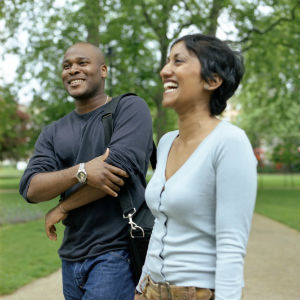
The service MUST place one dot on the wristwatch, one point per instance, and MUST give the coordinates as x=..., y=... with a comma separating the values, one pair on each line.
x=81, y=174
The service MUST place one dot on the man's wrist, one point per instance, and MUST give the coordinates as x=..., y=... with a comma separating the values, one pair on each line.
x=81, y=174
x=62, y=210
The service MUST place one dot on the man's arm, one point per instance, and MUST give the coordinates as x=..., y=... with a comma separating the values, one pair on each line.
x=44, y=178
x=80, y=197
x=102, y=176
x=85, y=195
x=131, y=142
x=48, y=185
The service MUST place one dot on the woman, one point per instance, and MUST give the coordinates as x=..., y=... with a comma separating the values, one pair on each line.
x=203, y=191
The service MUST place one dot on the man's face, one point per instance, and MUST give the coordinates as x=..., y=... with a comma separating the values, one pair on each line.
x=83, y=72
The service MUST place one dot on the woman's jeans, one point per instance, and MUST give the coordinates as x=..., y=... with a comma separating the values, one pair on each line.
x=107, y=276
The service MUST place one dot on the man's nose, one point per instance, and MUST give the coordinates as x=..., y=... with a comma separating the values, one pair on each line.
x=74, y=69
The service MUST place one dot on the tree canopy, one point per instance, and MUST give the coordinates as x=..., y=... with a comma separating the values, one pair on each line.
x=135, y=36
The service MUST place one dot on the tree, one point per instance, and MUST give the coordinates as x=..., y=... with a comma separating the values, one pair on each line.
x=286, y=153
x=269, y=99
x=135, y=36
x=14, y=128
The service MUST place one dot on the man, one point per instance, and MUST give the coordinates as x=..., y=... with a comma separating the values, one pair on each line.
x=69, y=161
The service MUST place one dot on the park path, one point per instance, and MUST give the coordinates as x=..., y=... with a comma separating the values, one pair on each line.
x=272, y=267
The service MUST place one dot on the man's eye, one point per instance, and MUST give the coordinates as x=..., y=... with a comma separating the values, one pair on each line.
x=177, y=61
x=65, y=67
x=82, y=63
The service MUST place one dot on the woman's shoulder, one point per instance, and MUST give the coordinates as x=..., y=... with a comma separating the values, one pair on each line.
x=232, y=138
x=228, y=132
x=167, y=137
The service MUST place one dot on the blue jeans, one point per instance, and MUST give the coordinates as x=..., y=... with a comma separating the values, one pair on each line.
x=106, y=277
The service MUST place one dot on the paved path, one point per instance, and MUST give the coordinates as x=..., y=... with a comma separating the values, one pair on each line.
x=272, y=268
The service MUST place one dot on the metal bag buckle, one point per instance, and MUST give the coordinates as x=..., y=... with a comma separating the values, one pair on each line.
x=133, y=226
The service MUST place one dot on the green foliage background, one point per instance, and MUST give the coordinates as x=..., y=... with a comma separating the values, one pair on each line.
x=135, y=36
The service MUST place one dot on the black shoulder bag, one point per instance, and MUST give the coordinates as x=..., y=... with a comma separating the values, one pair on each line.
x=140, y=221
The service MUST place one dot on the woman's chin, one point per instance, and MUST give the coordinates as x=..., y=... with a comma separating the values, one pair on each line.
x=167, y=102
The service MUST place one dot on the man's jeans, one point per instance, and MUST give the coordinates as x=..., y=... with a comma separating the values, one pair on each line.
x=106, y=277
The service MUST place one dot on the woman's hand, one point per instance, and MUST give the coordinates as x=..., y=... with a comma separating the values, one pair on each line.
x=138, y=296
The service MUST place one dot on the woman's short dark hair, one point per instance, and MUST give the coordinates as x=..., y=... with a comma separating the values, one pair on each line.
x=216, y=57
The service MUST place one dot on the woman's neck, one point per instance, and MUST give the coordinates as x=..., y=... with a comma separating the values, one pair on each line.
x=196, y=125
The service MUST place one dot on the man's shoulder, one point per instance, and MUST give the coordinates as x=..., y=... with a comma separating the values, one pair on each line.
x=63, y=121
x=133, y=103
x=131, y=98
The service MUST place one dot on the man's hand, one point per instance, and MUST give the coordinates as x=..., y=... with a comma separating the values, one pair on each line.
x=103, y=176
x=54, y=216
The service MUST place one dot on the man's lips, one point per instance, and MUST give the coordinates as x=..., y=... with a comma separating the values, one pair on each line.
x=75, y=82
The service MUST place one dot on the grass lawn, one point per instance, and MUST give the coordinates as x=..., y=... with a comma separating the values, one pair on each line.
x=279, y=181
x=281, y=205
x=9, y=178
x=25, y=251
x=26, y=254
x=14, y=209
x=278, y=198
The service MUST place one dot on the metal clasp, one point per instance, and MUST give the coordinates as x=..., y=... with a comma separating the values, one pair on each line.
x=133, y=226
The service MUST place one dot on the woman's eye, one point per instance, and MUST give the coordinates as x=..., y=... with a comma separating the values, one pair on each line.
x=82, y=63
x=178, y=61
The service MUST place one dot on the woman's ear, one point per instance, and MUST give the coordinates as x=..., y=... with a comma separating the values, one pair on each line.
x=214, y=83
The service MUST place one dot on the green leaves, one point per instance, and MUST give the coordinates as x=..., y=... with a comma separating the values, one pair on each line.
x=135, y=36
x=14, y=128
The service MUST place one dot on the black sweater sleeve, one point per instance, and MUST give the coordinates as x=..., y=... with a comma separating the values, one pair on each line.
x=131, y=141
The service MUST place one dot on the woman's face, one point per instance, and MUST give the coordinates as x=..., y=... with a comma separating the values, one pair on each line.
x=181, y=78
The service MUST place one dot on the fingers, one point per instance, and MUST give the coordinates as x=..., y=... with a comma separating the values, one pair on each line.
x=109, y=191
x=51, y=232
x=117, y=171
x=113, y=169
x=105, y=155
x=54, y=216
x=112, y=179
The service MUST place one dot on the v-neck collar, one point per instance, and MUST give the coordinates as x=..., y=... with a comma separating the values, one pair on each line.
x=176, y=133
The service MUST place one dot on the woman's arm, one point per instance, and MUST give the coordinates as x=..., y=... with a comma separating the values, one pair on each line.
x=235, y=192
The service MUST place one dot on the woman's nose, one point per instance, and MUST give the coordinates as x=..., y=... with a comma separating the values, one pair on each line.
x=165, y=71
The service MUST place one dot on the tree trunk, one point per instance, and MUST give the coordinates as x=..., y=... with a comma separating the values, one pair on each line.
x=213, y=17
x=92, y=13
x=161, y=121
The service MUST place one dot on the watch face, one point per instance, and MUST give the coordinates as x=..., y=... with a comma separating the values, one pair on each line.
x=81, y=177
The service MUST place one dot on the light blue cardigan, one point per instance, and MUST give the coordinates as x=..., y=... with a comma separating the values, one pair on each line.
x=203, y=214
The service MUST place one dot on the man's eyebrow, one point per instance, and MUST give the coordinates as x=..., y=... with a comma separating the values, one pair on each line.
x=76, y=59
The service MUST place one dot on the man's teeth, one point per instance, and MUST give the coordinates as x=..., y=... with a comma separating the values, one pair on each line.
x=170, y=87
x=76, y=82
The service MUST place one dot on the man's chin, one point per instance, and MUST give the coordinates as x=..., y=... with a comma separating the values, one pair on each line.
x=77, y=95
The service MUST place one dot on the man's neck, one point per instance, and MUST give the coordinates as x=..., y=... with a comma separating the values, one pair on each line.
x=84, y=106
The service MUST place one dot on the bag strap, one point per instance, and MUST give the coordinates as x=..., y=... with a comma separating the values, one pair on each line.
x=107, y=117
x=107, y=121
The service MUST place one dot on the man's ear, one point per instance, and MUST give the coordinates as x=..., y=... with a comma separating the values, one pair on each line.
x=213, y=84
x=103, y=71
